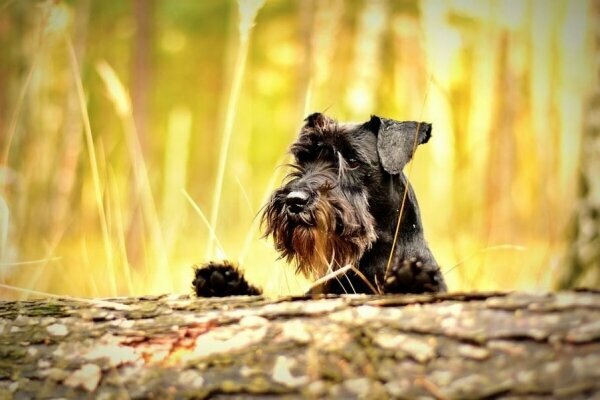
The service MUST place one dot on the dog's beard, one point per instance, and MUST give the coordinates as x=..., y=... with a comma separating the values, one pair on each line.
x=331, y=235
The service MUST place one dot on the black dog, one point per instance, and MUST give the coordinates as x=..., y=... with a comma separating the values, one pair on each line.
x=340, y=206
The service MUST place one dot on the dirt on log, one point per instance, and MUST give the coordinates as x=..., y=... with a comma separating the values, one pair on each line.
x=455, y=346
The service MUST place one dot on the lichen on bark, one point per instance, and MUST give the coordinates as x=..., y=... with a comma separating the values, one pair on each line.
x=449, y=346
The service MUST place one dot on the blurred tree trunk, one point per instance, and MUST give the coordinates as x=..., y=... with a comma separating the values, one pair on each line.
x=583, y=255
x=141, y=82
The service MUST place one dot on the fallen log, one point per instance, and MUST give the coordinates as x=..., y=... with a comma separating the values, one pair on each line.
x=452, y=346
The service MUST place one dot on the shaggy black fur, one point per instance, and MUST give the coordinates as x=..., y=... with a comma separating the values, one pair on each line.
x=340, y=205
x=220, y=280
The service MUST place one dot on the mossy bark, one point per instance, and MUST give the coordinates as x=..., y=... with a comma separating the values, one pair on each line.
x=455, y=346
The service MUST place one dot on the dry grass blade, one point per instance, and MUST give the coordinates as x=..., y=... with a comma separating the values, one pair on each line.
x=341, y=271
x=119, y=230
x=330, y=268
x=122, y=102
x=30, y=262
x=211, y=230
x=329, y=276
x=115, y=89
x=364, y=278
x=248, y=10
x=485, y=250
x=93, y=166
x=15, y=118
x=244, y=195
x=254, y=227
x=240, y=66
x=405, y=194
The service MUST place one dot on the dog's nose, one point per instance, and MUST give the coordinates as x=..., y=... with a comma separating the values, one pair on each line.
x=296, y=201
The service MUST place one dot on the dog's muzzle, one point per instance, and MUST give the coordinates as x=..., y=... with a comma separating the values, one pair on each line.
x=297, y=201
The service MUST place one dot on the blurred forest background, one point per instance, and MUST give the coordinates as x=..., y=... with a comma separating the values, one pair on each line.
x=140, y=137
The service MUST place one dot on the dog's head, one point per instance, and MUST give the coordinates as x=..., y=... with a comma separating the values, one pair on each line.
x=320, y=218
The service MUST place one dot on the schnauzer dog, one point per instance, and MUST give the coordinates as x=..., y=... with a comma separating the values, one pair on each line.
x=339, y=209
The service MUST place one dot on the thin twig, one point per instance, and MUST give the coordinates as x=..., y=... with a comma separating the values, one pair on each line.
x=485, y=250
x=404, y=196
x=211, y=230
x=329, y=276
x=364, y=278
x=341, y=271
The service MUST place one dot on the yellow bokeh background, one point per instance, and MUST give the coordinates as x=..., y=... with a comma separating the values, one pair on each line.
x=139, y=138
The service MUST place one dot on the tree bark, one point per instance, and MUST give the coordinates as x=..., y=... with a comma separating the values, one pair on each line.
x=583, y=255
x=452, y=346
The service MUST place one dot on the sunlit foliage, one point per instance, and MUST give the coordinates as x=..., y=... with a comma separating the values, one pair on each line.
x=140, y=137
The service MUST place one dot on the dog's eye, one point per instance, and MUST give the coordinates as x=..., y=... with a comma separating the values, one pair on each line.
x=352, y=162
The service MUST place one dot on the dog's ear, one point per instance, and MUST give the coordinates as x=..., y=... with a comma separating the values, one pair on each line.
x=397, y=140
x=373, y=124
x=318, y=121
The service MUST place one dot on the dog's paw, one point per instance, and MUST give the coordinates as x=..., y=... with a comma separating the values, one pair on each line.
x=221, y=279
x=414, y=276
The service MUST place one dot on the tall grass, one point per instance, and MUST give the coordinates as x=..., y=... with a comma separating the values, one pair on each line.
x=504, y=86
x=248, y=10
x=106, y=240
